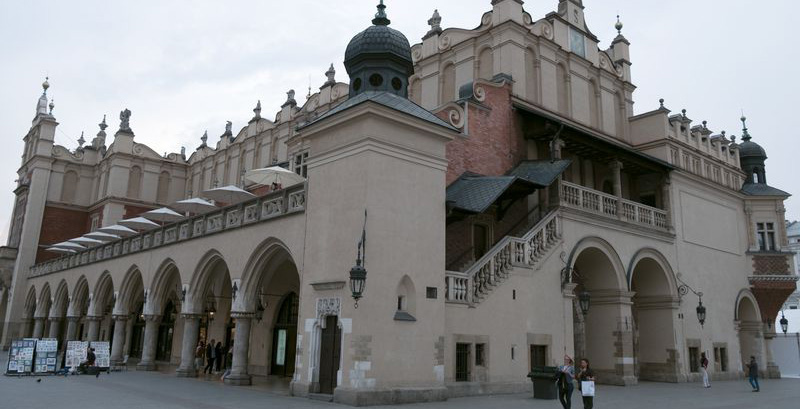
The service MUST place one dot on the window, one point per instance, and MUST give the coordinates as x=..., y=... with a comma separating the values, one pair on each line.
x=300, y=164
x=694, y=360
x=462, y=362
x=538, y=355
x=766, y=236
x=721, y=359
x=480, y=354
x=401, y=303
x=431, y=293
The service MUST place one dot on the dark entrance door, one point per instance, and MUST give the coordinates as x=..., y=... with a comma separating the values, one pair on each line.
x=137, y=335
x=284, y=337
x=329, y=355
x=165, y=328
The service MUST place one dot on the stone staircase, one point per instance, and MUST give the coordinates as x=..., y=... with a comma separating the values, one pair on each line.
x=476, y=283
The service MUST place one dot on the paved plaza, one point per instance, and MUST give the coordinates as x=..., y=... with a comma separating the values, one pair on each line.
x=134, y=389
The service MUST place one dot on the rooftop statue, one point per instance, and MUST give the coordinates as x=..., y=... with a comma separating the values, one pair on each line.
x=124, y=120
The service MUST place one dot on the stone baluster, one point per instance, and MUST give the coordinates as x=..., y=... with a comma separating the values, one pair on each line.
x=120, y=324
x=191, y=327
x=149, y=346
x=241, y=346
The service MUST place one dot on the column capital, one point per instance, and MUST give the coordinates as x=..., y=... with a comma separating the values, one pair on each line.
x=73, y=318
x=615, y=164
x=120, y=317
x=93, y=318
x=569, y=290
x=242, y=315
x=191, y=316
x=54, y=319
x=152, y=317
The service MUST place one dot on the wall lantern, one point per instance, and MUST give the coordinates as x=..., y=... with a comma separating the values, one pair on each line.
x=211, y=309
x=684, y=289
x=358, y=274
x=701, y=313
x=784, y=323
x=259, y=311
x=583, y=301
x=234, y=290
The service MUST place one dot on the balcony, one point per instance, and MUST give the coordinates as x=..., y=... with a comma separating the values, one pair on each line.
x=612, y=207
x=284, y=202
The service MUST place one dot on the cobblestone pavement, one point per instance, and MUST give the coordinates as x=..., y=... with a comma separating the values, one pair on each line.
x=157, y=390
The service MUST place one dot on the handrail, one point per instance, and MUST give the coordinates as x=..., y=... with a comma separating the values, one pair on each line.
x=583, y=198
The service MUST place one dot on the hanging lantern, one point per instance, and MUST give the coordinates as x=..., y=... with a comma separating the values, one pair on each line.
x=784, y=323
x=701, y=313
x=358, y=278
x=259, y=311
x=583, y=301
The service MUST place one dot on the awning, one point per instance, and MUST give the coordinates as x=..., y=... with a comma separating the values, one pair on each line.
x=473, y=193
x=540, y=172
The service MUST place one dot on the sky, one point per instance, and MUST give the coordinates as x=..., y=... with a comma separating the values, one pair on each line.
x=183, y=67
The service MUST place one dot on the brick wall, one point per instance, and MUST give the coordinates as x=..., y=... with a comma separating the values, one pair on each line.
x=134, y=211
x=59, y=224
x=771, y=264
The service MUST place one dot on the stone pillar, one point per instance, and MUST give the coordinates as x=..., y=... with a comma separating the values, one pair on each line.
x=241, y=347
x=38, y=327
x=588, y=173
x=149, y=346
x=574, y=338
x=191, y=326
x=118, y=344
x=93, y=333
x=72, y=329
x=616, y=169
x=773, y=370
x=666, y=198
x=55, y=327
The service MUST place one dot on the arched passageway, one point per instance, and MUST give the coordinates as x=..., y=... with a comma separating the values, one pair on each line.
x=750, y=327
x=160, y=322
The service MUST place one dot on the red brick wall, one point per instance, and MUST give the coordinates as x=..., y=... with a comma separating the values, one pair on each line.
x=58, y=225
x=495, y=143
x=134, y=211
x=771, y=264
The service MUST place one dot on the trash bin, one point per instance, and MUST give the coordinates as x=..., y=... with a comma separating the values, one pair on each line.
x=544, y=382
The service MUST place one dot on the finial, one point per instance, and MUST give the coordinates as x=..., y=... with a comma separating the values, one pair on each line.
x=733, y=138
x=257, y=110
x=435, y=21
x=204, y=138
x=704, y=124
x=81, y=141
x=380, y=17
x=661, y=102
x=183, y=152
x=103, y=125
x=683, y=112
x=331, y=74
x=723, y=134
x=745, y=135
x=52, y=105
x=46, y=84
x=618, y=26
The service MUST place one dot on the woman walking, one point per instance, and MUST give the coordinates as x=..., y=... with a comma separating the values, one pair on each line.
x=586, y=375
x=566, y=378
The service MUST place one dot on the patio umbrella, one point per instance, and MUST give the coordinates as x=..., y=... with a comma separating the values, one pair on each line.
x=98, y=235
x=60, y=250
x=163, y=214
x=85, y=241
x=138, y=223
x=228, y=194
x=117, y=230
x=68, y=245
x=274, y=174
x=194, y=205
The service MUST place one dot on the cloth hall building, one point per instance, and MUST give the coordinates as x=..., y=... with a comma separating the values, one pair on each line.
x=514, y=209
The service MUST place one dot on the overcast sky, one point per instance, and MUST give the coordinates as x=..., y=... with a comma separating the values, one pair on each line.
x=183, y=67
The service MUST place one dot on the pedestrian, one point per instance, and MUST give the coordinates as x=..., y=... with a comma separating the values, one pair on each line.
x=209, y=357
x=586, y=375
x=565, y=380
x=199, y=353
x=752, y=371
x=704, y=368
x=218, y=354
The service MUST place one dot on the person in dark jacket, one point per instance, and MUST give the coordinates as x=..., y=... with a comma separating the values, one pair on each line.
x=585, y=374
x=218, y=354
x=209, y=357
x=752, y=371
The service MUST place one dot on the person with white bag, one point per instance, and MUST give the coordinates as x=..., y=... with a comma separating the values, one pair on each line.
x=585, y=379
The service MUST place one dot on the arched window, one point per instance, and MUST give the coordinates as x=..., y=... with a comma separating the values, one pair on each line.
x=486, y=64
x=406, y=300
x=68, y=186
x=448, y=84
x=162, y=195
x=135, y=182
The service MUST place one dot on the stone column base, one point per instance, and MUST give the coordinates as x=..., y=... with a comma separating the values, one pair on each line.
x=238, y=379
x=186, y=372
x=146, y=366
x=394, y=396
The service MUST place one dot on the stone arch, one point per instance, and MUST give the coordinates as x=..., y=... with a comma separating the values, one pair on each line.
x=271, y=251
x=166, y=275
x=60, y=300
x=206, y=268
x=743, y=311
x=44, y=302
x=103, y=294
x=662, y=262
x=406, y=296
x=750, y=327
x=130, y=290
x=601, y=246
x=80, y=298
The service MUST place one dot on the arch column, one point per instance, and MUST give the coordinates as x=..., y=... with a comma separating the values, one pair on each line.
x=120, y=324
x=38, y=327
x=191, y=328
x=241, y=347
x=55, y=327
x=609, y=326
x=149, y=346
x=72, y=329
x=93, y=332
x=570, y=332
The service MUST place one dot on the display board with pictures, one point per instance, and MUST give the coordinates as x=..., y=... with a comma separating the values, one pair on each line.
x=102, y=353
x=20, y=356
x=76, y=353
x=46, y=355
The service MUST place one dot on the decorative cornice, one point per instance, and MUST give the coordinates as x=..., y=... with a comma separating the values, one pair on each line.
x=328, y=285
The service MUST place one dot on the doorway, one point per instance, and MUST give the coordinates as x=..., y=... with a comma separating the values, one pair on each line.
x=284, y=337
x=330, y=355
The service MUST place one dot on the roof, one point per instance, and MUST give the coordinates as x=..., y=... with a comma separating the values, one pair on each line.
x=388, y=100
x=474, y=193
x=760, y=189
x=540, y=172
x=378, y=39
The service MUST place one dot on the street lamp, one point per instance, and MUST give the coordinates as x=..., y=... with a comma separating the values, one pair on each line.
x=211, y=309
x=684, y=289
x=701, y=312
x=583, y=301
x=358, y=274
x=784, y=323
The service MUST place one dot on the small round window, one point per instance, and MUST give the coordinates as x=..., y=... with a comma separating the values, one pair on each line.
x=375, y=80
x=357, y=84
x=397, y=84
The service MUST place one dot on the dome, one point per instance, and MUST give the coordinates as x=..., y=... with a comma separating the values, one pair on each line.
x=378, y=41
x=749, y=149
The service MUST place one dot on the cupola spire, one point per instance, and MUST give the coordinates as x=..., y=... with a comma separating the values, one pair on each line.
x=745, y=135
x=380, y=17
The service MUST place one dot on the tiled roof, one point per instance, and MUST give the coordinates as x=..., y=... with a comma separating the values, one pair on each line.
x=760, y=189
x=475, y=193
x=540, y=172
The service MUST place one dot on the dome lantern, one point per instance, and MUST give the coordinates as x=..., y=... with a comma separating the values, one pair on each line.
x=752, y=157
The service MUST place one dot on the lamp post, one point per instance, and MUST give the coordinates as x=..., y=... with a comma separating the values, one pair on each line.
x=583, y=301
x=358, y=274
x=784, y=323
x=684, y=289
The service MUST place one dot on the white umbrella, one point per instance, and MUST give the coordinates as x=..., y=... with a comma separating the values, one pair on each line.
x=117, y=230
x=85, y=241
x=98, y=235
x=228, y=194
x=61, y=250
x=139, y=223
x=194, y=205
x=163, y=214
x=69, y=245
x=274, y=174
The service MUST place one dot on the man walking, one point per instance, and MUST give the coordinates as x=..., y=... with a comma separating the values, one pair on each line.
x=210, y=357
x=752, y=370
x=704, y=364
